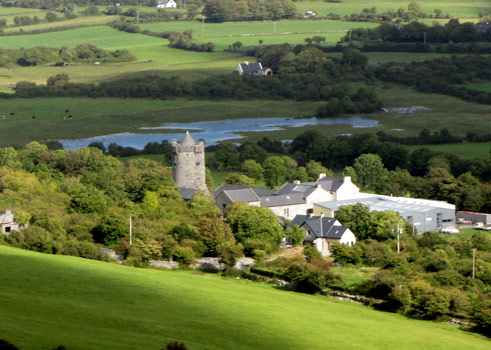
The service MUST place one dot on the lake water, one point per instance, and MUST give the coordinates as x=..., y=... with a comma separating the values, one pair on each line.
x=213, y=131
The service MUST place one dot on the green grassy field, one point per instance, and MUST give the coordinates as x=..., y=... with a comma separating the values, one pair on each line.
x=249, y=33
x=47, y=300
x=463, y=150
x=456, y=8
x=481, y=86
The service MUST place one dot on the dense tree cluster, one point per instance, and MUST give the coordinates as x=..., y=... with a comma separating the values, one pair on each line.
x=391, y=168
x=246, y=10
x=442, y=75
x=84, y=52
x=419, y=32
x=77, y=201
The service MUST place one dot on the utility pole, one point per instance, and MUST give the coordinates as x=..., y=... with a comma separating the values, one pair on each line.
x=474, y=263
x=349, y=35
x=131, y=232
x=202, y=24
x=398, y=243
x=274, y=28
x=425, y=36
x=138, y=16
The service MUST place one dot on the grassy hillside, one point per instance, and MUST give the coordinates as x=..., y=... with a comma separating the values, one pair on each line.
x=463, y=150
x=49, y=300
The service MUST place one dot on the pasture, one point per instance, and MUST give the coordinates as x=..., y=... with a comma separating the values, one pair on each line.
x=456, y=8
x=463, y=150
x=249, y=33
x=47, y=300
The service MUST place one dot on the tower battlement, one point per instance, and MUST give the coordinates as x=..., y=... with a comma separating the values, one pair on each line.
x=188, y=163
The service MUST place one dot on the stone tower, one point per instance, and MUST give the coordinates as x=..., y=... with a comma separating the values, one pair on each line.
x=188, y=163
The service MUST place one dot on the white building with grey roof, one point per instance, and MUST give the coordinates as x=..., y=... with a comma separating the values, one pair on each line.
x=291, y=199
x=322, y=232
x=425, y=215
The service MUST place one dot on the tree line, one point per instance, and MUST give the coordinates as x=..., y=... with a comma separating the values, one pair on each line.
x=453, y=31
x=84, y=52
x=247, y=10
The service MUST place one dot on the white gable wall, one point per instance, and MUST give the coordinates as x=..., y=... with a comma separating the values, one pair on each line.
x=348, y=190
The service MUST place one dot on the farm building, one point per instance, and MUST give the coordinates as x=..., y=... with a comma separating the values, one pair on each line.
x=166, y=4
x=8, y=223
x=292, y=198
x=247, y=68
x=425, y=215
x=474, y=217
x=322, y=232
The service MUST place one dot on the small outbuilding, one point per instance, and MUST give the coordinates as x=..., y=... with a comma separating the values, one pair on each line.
x=8, y=223
x=166, y=4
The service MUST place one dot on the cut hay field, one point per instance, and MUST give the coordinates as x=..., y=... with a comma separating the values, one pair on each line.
x=249, y=33
x=48, y=300
x=456, y=8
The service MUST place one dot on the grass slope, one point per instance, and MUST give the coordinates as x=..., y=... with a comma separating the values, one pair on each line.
x=47, y=300
x=463, y=150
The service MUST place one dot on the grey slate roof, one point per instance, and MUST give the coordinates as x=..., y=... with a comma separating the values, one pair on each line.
x=242, y=195
x=251, y=67
x=187, y=140
x=281, y=200
x=187, y=193
x=329, y=229
x=329, y=183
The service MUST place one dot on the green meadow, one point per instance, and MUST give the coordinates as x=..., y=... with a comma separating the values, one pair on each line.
x=249, y=33
x=456, y=8
x=463, y=150
x=48, y=300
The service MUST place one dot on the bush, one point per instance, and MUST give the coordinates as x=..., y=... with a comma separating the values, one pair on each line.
x=184, y=255
x=175, y=345
x=311, y=252
x=6, y=345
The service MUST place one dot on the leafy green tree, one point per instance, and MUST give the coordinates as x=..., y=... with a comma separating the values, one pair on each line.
x=88, y=200
x=214, y=232
x=368, y=172
x=239, y=179
x=184, y=255
x=229, y=252
x=314, y=169
x=110, y=230
x=51, y=16
x=296, y=235
x=253, y=222
x=353, y=57
x=227, y=155
x=301, y=174
x=274, y=171
x=290, y=166
x=252, y=169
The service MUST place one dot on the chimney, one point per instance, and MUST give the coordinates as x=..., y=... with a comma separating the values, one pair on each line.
x=347, y=179
x=321, y=176
x=296, y=182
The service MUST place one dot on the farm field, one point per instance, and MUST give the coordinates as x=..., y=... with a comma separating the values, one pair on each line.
x=481, y=86
x=224, y=34
x=375, y=58
x=79, y=21
x=463, y=150
x=47, y=300
x=456, y=8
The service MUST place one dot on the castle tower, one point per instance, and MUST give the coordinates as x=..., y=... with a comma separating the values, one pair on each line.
x=188, y=163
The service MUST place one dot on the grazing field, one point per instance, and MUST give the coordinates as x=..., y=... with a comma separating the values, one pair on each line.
x=48, y=300
x=482, y=86
x=456, y=8
x=463, y=150
x=375, y=58
x=92, y=117
x=79, y=21
x=249, y=33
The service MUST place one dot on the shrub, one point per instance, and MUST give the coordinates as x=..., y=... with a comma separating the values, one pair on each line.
x=184, y=255
x=6, y=345
x=175, y=345
x=311, y=252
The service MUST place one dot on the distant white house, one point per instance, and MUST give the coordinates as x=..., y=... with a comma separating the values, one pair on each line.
x=166, y=4
x=322, y=232
x=8, y=223
x=247, y=68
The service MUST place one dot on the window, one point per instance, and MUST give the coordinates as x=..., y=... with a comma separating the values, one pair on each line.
x=286, y=211
x=438, y=219
x=198, y=163
x=7, y=229
x=410, y=220
x=447, y=220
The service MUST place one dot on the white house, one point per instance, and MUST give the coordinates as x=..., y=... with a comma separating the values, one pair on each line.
x=322, y=232
x=291, y=199
x=247, y=68
x=8, y=223
x=166, y=4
